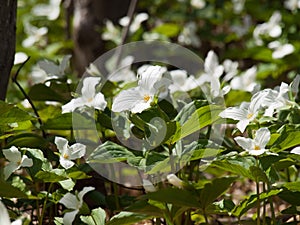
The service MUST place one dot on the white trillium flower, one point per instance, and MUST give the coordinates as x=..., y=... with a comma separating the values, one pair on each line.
x=270, y=28
x=174, y=180
x=181, y=81
x=124, y=73
x=198, y=4
x=246, y=81
x=89, y=97
x=16, y=161
x=188, y=35
x=246, y=112
x=35, y=35
x=276, y=100
x=69, y=153
x=296, y=150
x=280, y=50
x=73, y=202
x=112, y=33
x=51, y=10
x=256, y=146
x=139, y=98
x=230, y=68
x=136, y=22
x=292, y=5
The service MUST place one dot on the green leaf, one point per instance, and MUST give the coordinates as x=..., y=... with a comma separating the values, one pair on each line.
x=251, y=202
x=167, y=29
x=67, y=184
x=97, y=217
x=127, y=218
x=144, y=207
x=65, y=122
x=293, y=186
x=201, y=118
x=8, y=191
x=258, y=174
x=29, y=140
x=52, y=176
x=78, y=175
x=109, y=152
x=214, y=189
x=286, y=140
x=11, y=114
x=175, y=196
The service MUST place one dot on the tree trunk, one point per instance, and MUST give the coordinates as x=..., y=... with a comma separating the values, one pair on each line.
x=89, y=16
x=8, y=10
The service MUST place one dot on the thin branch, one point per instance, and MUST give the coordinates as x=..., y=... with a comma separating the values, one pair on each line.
x=125, y=30
x=14, y=79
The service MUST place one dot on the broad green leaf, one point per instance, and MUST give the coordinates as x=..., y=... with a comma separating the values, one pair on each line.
x=251, y=202
x=109, y=152
x=65, y=122
x=12, y=114
x=8, y=191
x=201, y=118
x=97, y=217
x=293, y=186
x=39, y=161
x=286, y=140
x=145, y=207
x=175, y=196
x=29, y=140
x=127, y=218
x=291, y=197
x=214, y=189
x=41, y=92
x=78, y=175
x=52, y=176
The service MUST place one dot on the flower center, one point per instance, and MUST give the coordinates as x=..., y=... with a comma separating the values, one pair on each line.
x=90, y=99
x=66, y=156
x=249, y=115
x=146, y=98
x=256, y=147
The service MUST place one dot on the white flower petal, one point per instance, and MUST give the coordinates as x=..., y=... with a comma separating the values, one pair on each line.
x=262, y=137
x=9, y=169
x=12, y=154
x=70, y=201
x=257, y=152
x=69, y=217
x=99, y=102
x=148, y=186
x=89, y=86
x=126, y=100
x=245, y=143
x=65, y=163
x=242, y=124
x=234, y=113
x=296, y=150
x=26, y=162
x=77, y=151
x=83, y=192
x=62, y=144
x=174, y=180
x=4, y=217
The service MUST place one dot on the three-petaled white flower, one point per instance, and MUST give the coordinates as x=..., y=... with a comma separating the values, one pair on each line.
x=181, y=81
x=256, y=146
x=136, y=22
x=16, y=161
x=246, y=112
x=139, y=98
x=280, y=50
x=270, y=28
x=246, y=81
x=89, y=97
x=73, y=202
x=68, y=153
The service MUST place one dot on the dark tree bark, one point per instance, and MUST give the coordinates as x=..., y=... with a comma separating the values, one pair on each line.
x=8, y=10
x=88, y=21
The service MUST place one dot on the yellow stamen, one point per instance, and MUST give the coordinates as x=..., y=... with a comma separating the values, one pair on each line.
x=146, y=98
x=256, y=147
x=249, y=115
x=66, y=156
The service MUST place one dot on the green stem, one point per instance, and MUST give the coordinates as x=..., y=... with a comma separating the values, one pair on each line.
x=45, y=204
x=257, y=192
x=205, y=216
x=264, y=208
x=116, y=194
